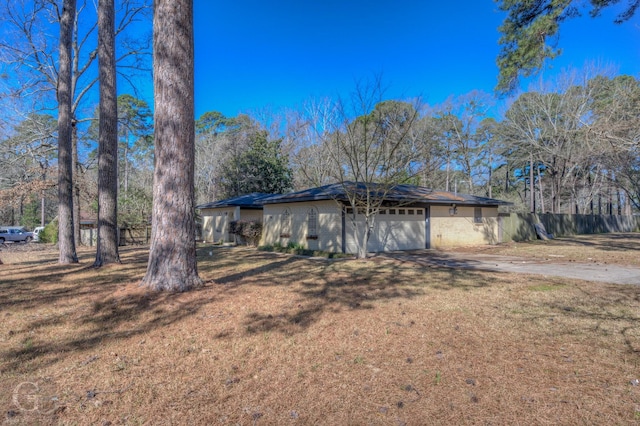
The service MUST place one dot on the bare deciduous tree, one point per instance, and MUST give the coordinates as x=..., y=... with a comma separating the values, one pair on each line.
x=616, y=105
x=373, y=150
x=308, y=128
x=551, y=135
x=27, y=157
x=27, y=48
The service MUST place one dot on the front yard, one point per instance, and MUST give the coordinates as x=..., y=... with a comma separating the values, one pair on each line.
x=276, y=339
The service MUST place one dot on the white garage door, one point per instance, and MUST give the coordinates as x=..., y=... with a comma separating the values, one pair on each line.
x=394, y=229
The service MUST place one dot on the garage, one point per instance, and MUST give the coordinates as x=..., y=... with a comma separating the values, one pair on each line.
x=398, y=228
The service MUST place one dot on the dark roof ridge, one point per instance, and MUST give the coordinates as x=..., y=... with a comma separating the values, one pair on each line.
x=252, y=200
x=397, y=192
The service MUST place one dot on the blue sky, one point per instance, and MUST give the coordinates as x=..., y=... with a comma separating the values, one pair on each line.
x=256, y=54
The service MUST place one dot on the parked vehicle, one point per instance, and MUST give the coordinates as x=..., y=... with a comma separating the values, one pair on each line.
x=15, y=234
x=36, y=232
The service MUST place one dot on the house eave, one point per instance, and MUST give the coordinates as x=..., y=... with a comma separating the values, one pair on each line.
x=403, y=194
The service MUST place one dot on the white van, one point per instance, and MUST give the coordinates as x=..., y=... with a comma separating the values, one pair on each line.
x=36, y=233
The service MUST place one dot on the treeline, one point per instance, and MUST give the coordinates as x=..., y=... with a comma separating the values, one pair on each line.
x=47, y=49
x=570, y=147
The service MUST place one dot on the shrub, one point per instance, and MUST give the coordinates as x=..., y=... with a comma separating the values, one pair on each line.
x=50, y=232
x=250, y=231
x=294, y=248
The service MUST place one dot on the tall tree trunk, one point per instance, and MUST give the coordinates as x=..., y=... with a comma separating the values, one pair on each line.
x=44, y=167
x=591, y=192
x=555, y=196
x=609, y=196
x=66, y=243
x=619, y=197
x=599, y=203
x=172, y=255
x=107, y=250
x=448, y=167
x=532, y=192
x=540, y=190
x=126, y=167
x=490, y=176
x=42, y=208
x=75, y=166
x=506, y=179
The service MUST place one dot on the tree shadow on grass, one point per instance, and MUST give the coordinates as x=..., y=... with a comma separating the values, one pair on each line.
x=320, y=286
x=459, y=271
x=97, y=323
x=50, y=283
x=75, y=309
x=68, y=308
x=236, y=279
x=50, y=286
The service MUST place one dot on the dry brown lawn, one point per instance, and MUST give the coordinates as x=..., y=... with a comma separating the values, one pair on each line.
x=276, y=340
x=618, y=249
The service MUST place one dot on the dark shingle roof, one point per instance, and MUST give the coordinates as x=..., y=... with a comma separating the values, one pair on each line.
x=398, y=193
x=248, y=201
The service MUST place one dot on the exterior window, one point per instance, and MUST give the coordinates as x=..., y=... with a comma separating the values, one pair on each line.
x=419, y=211
x=285, y=224
x=401, y=211
x=312, y=224
x=410, y=211
x=392, y=211
x=477, y=215
x=349, y=210
x=382, y=212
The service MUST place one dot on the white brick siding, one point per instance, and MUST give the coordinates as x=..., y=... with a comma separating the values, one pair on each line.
x=461, y=229
x=329, y=225
x=216, y=222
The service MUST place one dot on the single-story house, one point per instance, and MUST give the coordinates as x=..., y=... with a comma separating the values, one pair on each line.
x=411, y=217
x=217, y=216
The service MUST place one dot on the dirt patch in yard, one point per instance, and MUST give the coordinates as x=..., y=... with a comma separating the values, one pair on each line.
x=616, y=248
x=275, y=339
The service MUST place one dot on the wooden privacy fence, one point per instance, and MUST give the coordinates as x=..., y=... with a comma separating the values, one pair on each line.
x=133, y=235
x=520, y=226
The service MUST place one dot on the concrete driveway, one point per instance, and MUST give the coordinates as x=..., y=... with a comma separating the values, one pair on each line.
x=608, y=273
